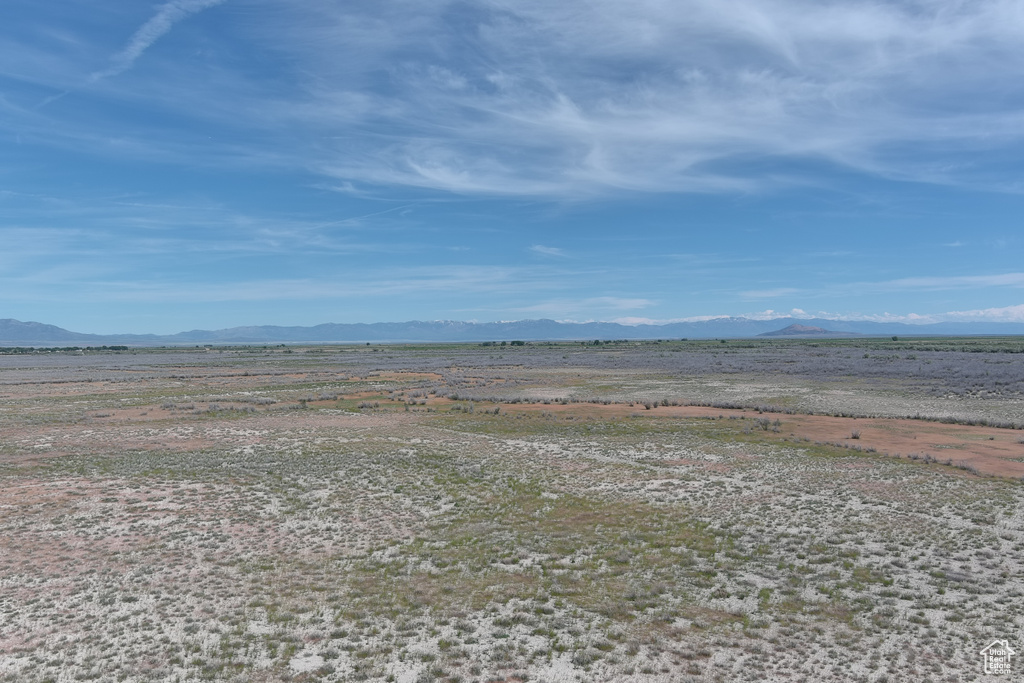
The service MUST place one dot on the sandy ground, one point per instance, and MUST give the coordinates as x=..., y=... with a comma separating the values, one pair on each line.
x=253, y=523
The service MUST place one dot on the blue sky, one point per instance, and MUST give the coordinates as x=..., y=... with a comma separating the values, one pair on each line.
x=207, y=163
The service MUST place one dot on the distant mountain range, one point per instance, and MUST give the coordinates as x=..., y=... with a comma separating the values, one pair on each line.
x=798, y=330
x=17, y=333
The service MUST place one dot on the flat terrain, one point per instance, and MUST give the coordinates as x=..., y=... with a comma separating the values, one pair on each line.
x=847, y=510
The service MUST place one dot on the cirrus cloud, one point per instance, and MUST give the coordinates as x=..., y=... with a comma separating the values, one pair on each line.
x=586, y=98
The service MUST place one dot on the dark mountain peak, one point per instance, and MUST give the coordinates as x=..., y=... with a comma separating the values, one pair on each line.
x=18, y=331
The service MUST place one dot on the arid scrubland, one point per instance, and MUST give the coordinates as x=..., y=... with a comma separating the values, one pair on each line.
x=618, y=512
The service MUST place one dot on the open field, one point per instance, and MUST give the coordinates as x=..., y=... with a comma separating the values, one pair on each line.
x=846, y=510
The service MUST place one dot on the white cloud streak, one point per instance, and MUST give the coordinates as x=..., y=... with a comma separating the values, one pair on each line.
x=1008, y=314
x=602, y=302
x=93, y=284
x=163, y=21
x=937, y=283
x=769, y=293
x=590, y=308
x=929, y=283
x=1005, y=314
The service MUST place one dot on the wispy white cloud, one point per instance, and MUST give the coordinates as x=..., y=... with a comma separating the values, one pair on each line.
x=167, y=15
x=117, y=232
x=770, y=314
x=933, y=283
x=667, y=96
x=768, y=293
x=909, y=318
x=599, y=305
x=639, y=320
x=955, y=282
x=547, y=251
x=1008, y=314
x=105, y=283
x=585, y=98
x=997, y=314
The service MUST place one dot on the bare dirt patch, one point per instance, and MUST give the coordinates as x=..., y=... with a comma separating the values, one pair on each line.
x=991, y=450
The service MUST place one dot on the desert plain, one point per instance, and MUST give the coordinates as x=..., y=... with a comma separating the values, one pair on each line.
x=675, y=510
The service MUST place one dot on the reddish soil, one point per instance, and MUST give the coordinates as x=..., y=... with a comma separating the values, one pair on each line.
x=989, y=449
